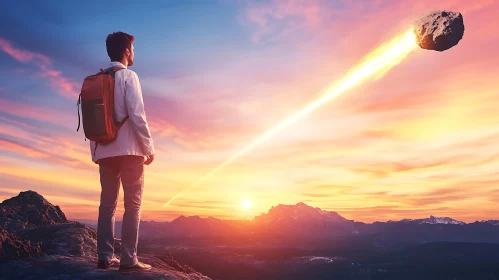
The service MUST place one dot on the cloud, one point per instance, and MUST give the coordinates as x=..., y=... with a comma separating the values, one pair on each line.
x=28, y=111
x=23, y=55
x=71, y=159
x=440, y=196
x=32, y=140
x=316, y=194
x=277, y=17
x=380, y=169
x=64, y=86
x=21, y=149
x=194, y=125
x=396, y=102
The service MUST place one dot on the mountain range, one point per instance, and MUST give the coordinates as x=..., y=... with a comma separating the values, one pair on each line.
x=35, y=233
x=301, y=221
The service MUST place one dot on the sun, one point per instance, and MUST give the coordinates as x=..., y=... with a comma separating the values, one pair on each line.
x=245, y=204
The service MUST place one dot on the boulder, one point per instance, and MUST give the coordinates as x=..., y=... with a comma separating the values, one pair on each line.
x=67, y=239
x=28, y=210
x=439, y=30
x=13, y=248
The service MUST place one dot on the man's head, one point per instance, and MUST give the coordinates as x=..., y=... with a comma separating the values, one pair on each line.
x=119, y=47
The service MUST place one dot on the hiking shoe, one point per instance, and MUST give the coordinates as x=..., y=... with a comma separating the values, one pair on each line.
x=104, y=264
x=138, y=266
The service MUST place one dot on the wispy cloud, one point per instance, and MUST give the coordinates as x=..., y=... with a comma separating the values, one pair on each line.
x=29, y=111
x=64, y=86
x=193, y=125
x=64, y=159
x=23, y=55
x=273, y=19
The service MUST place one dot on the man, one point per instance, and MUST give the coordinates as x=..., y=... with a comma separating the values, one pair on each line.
x=123, y=160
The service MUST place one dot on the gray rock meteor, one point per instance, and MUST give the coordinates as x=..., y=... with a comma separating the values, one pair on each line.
x=439, y=30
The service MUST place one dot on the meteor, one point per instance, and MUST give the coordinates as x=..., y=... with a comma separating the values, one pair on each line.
x=374, y=65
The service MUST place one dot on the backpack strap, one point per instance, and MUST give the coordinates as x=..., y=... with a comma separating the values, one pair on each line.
x=78, y=109
x=122, y=122
x=112, y=70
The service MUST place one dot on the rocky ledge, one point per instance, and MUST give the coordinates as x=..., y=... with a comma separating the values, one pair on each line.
x=72, y=267
x=38, y=242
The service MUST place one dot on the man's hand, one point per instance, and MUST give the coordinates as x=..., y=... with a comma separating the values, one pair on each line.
x=149, y=159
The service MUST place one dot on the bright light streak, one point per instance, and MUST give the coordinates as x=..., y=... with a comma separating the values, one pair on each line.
x=374, y=65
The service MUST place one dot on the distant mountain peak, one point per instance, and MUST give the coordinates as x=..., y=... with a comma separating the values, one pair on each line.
x=431, y=220
x=444, y=220
x=283, y=213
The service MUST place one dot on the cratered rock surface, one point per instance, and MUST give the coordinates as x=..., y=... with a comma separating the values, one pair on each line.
x=439, y=30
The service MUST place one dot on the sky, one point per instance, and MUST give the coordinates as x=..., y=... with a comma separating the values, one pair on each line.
x=419, y=140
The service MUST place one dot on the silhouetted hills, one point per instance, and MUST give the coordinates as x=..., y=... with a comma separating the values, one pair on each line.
x=309, y=226
x=38, y=242
x=490, y=222
x=194, y=226
x=303, y=242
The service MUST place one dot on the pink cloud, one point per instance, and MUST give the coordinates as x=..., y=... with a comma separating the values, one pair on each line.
x=23, y=55
x=31, y=144
x=20, y=148
x=278, y=16
x=25, y=110
x=44, y=155
x=64, y=86
x=193, y=125
x=28, y=135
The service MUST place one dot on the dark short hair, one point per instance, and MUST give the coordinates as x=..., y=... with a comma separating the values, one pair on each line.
x=117, y=43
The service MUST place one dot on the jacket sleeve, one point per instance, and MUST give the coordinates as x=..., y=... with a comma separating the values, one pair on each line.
x=136, y=113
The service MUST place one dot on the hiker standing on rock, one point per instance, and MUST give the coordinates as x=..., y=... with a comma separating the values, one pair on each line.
x=121, y=143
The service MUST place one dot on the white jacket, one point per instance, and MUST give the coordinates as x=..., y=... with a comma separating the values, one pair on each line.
x=134, y=137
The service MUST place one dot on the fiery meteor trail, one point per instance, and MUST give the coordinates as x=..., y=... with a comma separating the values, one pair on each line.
x=375, y=65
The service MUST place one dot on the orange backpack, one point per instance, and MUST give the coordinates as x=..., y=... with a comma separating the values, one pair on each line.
x=97, y=107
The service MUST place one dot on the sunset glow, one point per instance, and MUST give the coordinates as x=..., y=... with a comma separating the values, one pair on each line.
x=329, y=103
x=245, y=204
x=375, y=64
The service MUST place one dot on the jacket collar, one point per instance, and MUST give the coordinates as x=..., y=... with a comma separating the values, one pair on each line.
x=116, y=63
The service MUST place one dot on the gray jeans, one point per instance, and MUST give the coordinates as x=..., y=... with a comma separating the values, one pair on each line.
x=130, y=170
